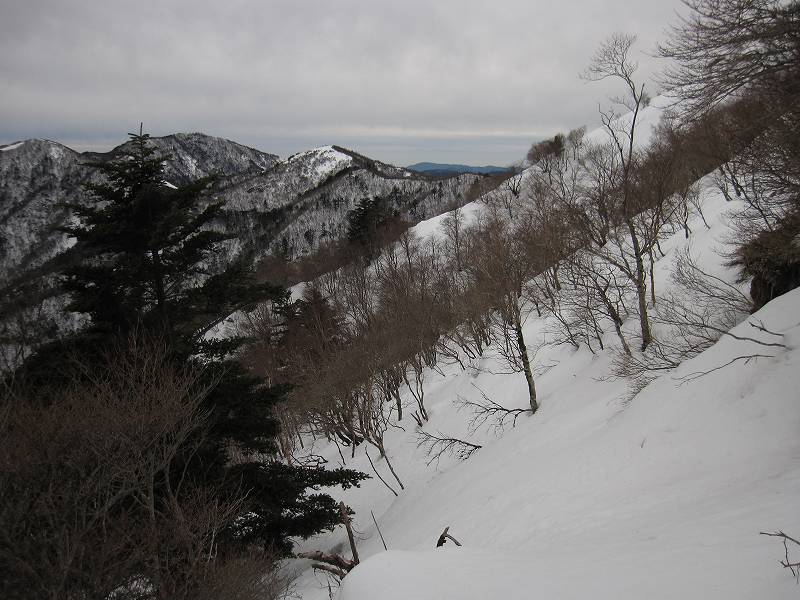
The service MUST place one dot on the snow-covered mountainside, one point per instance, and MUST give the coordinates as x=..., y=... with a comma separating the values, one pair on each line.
x=304, y=200
x=196, y=155
x=37, y=175
x=593, y=496
x=290, y=205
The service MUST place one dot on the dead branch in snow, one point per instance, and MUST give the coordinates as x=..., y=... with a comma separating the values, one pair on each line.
x=347, y=525
x=330, y=569
x=761, y=327
x=372, y=464
x=698, y=374
x=335, y=560
x=336, y=564
x=794, y=567
x=446, y=536
x=374, y=520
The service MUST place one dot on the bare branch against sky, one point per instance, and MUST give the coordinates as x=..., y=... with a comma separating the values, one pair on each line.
x=403, y=81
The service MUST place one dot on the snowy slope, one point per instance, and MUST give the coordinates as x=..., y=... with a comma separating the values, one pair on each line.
x=646, y=122
x=663, y=498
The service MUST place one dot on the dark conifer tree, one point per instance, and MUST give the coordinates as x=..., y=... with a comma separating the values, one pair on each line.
x=368, y=219
x=145, y=247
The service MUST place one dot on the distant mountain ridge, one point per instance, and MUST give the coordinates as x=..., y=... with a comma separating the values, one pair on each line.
x=285, y=208
x=430, y=168
x=272, y=206
x=37, y=176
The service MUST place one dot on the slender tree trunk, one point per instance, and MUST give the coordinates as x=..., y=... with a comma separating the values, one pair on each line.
x=641, y=285
x=526, y=364
x=652, y=278
x=389, y=464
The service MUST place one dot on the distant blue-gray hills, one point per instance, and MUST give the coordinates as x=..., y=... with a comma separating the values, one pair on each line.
x=447, y=170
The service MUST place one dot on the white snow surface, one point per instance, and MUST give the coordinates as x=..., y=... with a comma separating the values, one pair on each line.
x=660, y=498
x=432, y=228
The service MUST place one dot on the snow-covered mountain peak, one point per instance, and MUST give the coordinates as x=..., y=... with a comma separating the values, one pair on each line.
x=320, y=163
x=36, y=145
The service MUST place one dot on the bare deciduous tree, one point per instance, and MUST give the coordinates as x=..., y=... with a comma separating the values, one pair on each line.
x=612, y=61
x=103, y=508
x=724, y=47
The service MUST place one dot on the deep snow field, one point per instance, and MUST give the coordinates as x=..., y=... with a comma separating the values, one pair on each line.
x=592, y=497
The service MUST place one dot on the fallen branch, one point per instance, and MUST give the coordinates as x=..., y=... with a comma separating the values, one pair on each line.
x=346, y=521
x=794, y=567
x=335, y=563
x=698, y=374
x=372, y=464
x=374, y=520
x=446, y=536
x=334, y=560
x=761, y=327
x=330, y=569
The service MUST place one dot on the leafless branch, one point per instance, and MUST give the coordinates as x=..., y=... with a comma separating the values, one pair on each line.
x=437, y=445
x=698, y=374
x=374, y=520
x=786, y=563
x=330, y=569
x=488, y=410
x=372, y=464
x=335, y=560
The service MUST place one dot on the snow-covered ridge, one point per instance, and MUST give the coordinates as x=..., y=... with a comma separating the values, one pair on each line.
x=320, y=163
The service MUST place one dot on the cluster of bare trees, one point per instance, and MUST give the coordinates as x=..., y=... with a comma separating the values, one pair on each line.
x=359, y=344
x=94, y=502
x=747, y=51
x=574, y=238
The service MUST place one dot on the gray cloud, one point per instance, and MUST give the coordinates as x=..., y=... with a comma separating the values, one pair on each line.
x=457, y=80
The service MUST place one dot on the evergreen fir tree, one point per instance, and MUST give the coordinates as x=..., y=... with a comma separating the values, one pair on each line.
x=368, y=219
x=144, y=273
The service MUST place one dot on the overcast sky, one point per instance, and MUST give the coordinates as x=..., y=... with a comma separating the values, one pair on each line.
x=402, y=81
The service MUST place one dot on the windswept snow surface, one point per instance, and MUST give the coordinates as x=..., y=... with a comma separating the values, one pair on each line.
x=662, y=498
